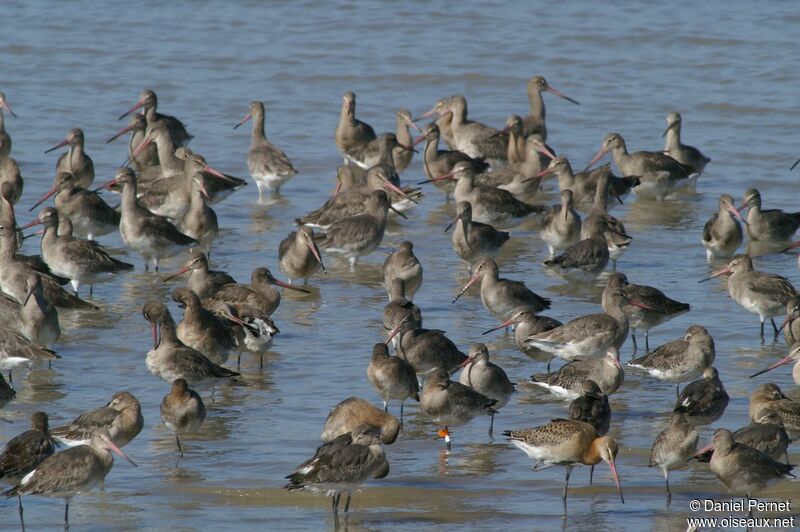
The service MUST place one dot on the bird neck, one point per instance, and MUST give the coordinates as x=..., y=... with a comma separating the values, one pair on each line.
x=537, y=106
x=592, y=454
x=258, y=136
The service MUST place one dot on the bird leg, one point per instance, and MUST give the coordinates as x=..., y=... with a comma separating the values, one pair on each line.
x=178, y=440
x=591, y=475
x=666, y=481
x=774, y=329
x=347, y=506
x=646, y=342
x=335, y=506
x=21, y=511
x=566, y=484
x=762, y=332
x=677, y=390
x=633, y=337
x=66, y=516
x=491, y=425
x=385, y=405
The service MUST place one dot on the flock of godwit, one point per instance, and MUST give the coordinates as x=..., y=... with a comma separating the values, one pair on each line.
x=494, y=175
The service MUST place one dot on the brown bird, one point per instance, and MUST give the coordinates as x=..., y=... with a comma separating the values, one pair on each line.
x=121, y=417
x=392, y=377
x=354, y=411
x=24, y=452
x=299, y=256
x=182, y=410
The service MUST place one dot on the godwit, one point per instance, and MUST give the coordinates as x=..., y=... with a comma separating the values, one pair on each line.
x=35, y=318
x=568, y=380
x=450, y=403
x=761, y=293
x=10, y=176
x=722, y=234
x=534, y=121
x=351, y=202
x=342, y=465
x=688, y=155
x=674, y=446
x=351, y=133
x=299, y=256
x=80, y=261
x=24, y=452
x=791, y=325
x=427, y=350
x=392, y=377
x=16, y=350
x=5, y=138
x=659, y=174
x=679, y=360
x=14, y=274
x=89, y=214
x=486, y=378
x=591, y=407
x=474, y=241
x=501, y=297
x=353, y=412
x=204, y=331
x=269, y=166
x=171, y=359
x=769, y=398
x=74, y=471
x=137, y=126
x=217, y=184
x=200, y=220
x=743, y=469
x=561, y=226
x=152, y=236
x=148, y=100
x=401, y=154
x=523, y=180
x=202, y=281
x=516, y=140
x=585, y=260
x=599, y=220
x=399, y=309
x=359, y=235
x=444, y=120
x=794, y=355
x=704, y=400
x=568, y=443
x=75, y=161
x=436, y=162
x=660, y=309
x=182, y=410
x=583, y=193
x=403, y=264
x=121, y=418
x=526, y=323
x=473, y=138
x=768, y=224
x=766, y=434
x=592, y=334
x=260, y=294
x=170, y=166
x=380, y=151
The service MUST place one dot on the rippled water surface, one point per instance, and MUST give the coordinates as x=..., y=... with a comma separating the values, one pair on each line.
x=730, y=68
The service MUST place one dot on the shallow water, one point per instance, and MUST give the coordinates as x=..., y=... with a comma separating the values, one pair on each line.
x=729, y=69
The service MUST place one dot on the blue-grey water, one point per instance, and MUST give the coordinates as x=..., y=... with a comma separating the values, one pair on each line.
x=729, y=67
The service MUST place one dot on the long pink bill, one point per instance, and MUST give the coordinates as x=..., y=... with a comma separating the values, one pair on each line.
x=139, y=104
x=397, y=190
x=614, y=474
x=560, y=94
x=44, y=198
x=119, y=133
x=427, y=114
x=791, y=357
x=118, y=451
x=5, y=106
x=245, y=119
x=397, y=329
x=57, y=146
x=471, y=281
x=291, y=286
x=723, y=271
x=503, y=325
x=315, y=252
x=30, y=224
x=597, y=156
x=217, y=173
x=176, y=274
x=737, y=213
x=448, y=175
